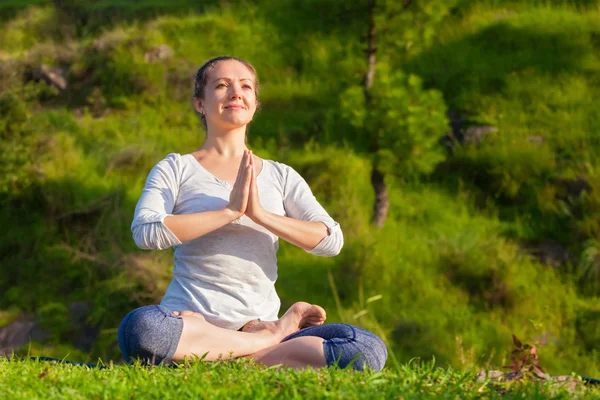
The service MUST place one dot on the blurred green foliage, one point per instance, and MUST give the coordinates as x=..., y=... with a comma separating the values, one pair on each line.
x=401, y=124
x=451, y=274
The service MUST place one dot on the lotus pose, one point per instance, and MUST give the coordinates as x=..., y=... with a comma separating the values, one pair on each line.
x=223, y=210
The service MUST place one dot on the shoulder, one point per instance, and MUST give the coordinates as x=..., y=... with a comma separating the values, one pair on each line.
x=285, y=176
x=172, y=159
x=280, y=170
x=175, y=162
x=280, y=167
x=174, y=166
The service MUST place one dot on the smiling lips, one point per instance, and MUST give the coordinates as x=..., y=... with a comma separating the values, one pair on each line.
x=234, y=107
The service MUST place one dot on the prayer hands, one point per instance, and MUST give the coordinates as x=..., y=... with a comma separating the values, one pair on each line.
x=244, y=195
x=238, y=198
x=254, y=210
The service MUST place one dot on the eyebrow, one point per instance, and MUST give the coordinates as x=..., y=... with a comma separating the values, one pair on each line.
x=228, y=79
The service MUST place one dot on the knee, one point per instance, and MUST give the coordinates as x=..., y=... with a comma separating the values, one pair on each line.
x=373, y=349
x=358, y=348
x=150, y=334
x=376, y=355
x=134, y=332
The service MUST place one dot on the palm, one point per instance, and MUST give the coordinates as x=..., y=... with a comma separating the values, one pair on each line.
x=239, y=196
x=254, y=209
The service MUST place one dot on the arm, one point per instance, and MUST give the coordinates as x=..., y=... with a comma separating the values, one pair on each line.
x=155, y=204
x=304, y=234
x=307, y=224
x=191, y=226
x=155, y=227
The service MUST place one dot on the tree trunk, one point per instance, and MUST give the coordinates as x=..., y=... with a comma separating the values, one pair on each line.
x=371, y=50
x=382, y=201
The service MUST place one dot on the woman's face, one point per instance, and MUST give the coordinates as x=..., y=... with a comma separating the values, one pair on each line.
x=229, y=96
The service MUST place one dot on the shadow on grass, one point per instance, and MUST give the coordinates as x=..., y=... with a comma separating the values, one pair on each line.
x=89, y=17
x=483, y=63
x=292, y=17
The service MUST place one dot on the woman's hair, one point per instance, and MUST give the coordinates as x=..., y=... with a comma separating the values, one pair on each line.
x=202, y=78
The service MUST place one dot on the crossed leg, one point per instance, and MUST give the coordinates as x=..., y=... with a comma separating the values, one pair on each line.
x=199, y=337
x=320, y=345
x=156, y=336
x=296, y=353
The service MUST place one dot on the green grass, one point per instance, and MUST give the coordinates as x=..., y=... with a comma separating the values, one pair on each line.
x=530, y=71
x=242, y=379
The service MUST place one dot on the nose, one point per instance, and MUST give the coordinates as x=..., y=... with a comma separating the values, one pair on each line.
x=236, y=90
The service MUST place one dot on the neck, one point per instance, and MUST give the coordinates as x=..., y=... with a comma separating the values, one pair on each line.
x=225, y=142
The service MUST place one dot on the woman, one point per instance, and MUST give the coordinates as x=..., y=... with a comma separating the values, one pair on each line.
x=223, y=209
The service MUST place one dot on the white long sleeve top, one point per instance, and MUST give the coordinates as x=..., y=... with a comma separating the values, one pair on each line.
x=228, y=275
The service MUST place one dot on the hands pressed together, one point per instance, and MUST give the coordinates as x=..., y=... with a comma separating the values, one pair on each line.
x=244, y=195
x=243, y=199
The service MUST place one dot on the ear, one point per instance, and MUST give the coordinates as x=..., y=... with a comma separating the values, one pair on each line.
x=198, y=105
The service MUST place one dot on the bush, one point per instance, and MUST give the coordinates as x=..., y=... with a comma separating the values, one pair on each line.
x=402, y=124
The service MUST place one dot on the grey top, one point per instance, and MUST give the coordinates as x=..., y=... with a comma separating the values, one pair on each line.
x=228, y=275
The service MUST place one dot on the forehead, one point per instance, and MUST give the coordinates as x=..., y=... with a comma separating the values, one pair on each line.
x=231, y=69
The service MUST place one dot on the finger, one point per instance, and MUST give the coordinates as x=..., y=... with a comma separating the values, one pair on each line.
x=242, y=185
x=248, y=179
x=251, y=186
x=242, y=169
x=253, y=165
x=245, y=187
x=175, y=313
x=243, y=163
x=253, y=171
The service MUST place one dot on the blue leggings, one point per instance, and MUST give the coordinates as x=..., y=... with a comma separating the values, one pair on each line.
x=344, y=343
x=151, y=333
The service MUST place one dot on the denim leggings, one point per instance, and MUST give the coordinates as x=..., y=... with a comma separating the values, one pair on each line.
x=151, y=334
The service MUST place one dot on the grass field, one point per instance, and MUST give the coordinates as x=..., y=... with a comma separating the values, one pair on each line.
x=240, y=379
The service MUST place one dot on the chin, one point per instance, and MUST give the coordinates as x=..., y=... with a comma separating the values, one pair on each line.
x=236, y=122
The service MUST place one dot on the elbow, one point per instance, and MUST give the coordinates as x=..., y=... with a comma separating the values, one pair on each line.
x=330, y=246
x=142, y=242
x=336, y=252
x=147, y=239
x=335, y=242
x=143, y=245
x=336, y=247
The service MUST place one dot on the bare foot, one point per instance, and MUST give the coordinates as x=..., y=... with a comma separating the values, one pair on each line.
x=298, y=316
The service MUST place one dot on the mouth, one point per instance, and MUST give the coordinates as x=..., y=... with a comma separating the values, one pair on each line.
x=234, y=107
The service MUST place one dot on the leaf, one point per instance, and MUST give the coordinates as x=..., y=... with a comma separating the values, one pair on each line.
x=375, y=376
x=539, y=372
x=517, y=342
x=514, y=366
x=374, y=298
x=539, y=368
x=360, y=314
